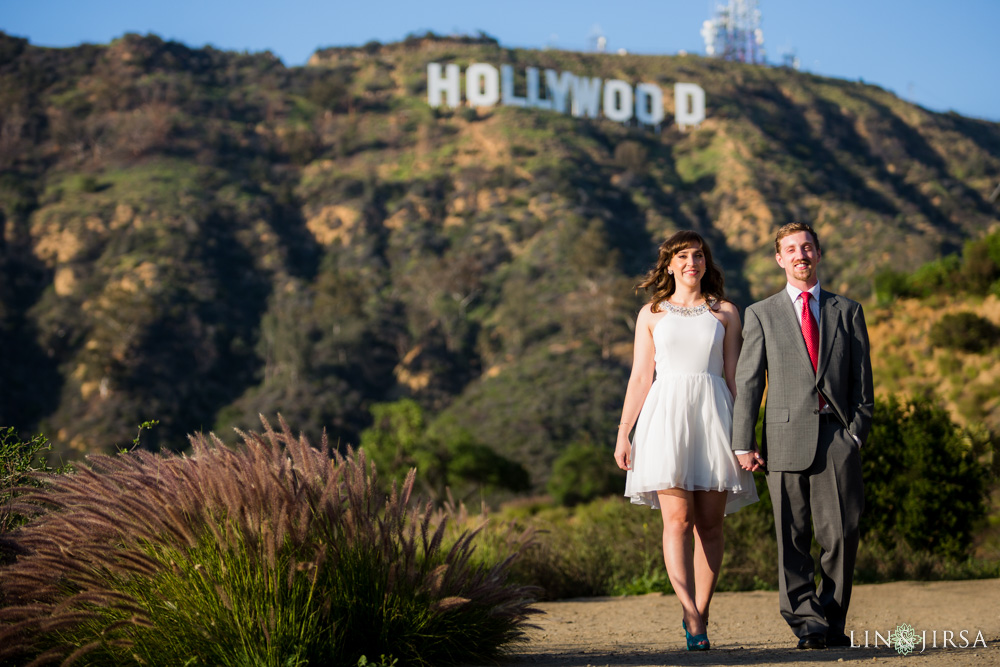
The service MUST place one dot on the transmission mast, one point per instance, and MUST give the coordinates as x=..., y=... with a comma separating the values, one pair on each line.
x=734, y=33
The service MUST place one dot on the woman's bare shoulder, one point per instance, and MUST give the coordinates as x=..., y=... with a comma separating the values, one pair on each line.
x=728, y=313
x=647, y=318
x=728, y=308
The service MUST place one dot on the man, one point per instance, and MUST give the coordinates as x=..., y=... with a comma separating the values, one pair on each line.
x=809, y=347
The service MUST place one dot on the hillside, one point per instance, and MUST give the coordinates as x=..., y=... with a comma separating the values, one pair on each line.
x=199, y=236
x=905, y=361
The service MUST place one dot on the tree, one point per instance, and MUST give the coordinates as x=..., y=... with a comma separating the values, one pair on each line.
x=446, y=457
x=979, y=268
x=584, y=471
x=923, y=483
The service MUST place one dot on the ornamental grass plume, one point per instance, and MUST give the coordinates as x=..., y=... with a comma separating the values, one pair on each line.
x=270, y=553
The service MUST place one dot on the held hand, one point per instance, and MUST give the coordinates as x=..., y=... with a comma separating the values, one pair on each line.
x=623, y=452
x=751, y=461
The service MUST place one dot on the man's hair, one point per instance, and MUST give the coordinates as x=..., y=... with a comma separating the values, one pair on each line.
x=795, y=228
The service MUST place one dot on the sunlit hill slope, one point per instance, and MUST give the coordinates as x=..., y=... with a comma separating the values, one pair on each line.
x=199, y=236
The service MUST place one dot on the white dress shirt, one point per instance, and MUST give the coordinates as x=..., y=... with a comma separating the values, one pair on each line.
x=796, y=296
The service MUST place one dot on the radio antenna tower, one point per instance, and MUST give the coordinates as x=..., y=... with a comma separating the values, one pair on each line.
x=598, y=41
x=734, y=32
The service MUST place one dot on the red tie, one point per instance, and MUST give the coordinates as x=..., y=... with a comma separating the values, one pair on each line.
x=810, y=332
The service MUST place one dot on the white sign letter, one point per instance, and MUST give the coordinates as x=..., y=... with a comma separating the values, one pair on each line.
x=507, y=84
x=557, y=86
x=689, y=104
x=533, y=99
x=482, y=85
x=586, y=96
x=617, y=100
x=447, y=84
x=649, y=104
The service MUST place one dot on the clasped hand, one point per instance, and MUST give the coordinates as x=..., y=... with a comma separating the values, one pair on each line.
x=751, y=461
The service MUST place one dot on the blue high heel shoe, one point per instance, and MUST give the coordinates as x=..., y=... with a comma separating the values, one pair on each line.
x=695, y=642
x=698, y=642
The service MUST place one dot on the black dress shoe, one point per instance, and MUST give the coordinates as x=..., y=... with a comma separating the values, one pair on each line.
x=838, y=640
x=812, y=642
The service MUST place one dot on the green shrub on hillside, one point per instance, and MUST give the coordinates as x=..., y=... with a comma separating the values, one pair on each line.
x=268, y=554
x=923, y=483
x=936, y=276
x=975, y=271
x=965, y=331
x=584, y=471
x=447, y=460
x=981, y=264
x=889, y=285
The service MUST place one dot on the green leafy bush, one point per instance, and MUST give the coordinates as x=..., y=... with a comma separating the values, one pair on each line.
x=269, y=554
x=19, y=460
x=584, y=471
x=981, y=264
x=890, y=284
x=935, y=276
x=923, y=483
x=86, y=183
x=593, y=549
x=965, y=331
x=470, y=114
x=447, y=458
x=878, y=563
x=976, y=270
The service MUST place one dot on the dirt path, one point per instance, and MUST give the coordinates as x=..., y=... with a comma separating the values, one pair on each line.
x=746, y=629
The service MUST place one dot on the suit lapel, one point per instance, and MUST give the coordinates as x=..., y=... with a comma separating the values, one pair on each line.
x=828, y=317
x=793, y=330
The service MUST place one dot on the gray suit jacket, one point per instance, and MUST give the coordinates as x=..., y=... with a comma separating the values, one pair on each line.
x=774, y=355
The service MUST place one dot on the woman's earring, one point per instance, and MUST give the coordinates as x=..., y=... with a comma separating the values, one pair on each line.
x=670, y=272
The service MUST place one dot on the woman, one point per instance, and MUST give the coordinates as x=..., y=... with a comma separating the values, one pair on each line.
x=689, y=338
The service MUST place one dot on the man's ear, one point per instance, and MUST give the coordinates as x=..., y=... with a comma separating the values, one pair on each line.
x=777, y=258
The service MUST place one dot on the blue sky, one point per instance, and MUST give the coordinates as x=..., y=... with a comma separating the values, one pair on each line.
x=941, y=55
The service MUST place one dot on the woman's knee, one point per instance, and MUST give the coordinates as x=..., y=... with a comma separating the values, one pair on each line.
x=678, y=524
x=709, y=530
x=678, y=519
x=709, y=512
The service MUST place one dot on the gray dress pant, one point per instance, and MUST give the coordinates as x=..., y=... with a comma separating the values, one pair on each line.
x=830, y=493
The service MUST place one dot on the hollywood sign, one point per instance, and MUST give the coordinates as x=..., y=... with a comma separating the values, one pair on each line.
x=583, y=97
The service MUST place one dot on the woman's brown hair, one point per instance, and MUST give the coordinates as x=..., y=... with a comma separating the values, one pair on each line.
x=663, y=283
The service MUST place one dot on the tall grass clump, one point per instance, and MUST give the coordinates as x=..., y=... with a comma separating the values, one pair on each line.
x=269, y=553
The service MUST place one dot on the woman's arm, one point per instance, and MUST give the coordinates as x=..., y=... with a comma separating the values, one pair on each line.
x=639, y=381
x=731, y=344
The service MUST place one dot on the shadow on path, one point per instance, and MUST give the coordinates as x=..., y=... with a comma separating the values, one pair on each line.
x=721, y=655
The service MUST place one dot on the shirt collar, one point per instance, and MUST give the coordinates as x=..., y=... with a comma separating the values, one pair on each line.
x=794, y=292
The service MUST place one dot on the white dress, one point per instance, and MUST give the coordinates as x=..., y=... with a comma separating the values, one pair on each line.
x=682, y=437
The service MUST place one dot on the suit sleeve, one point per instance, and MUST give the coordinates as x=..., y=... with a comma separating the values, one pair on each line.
x=862, y=386
x=750, y=381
